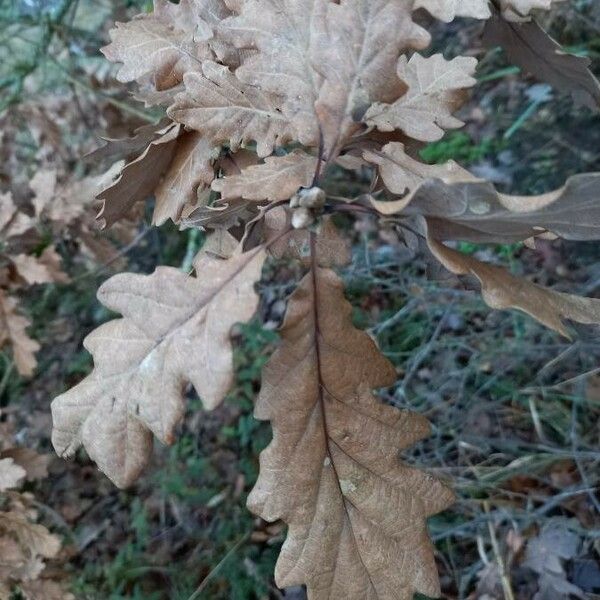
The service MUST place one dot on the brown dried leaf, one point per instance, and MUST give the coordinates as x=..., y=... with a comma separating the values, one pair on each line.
x=531, y=48
x=356, y=515
x=502, y=290
x=226, y=110
x=11, y=563
x=332, y=247
x=448, y=10
x=190, y=172
x=11, y=473
x=45, y=269
x=164, y=44
x=175, y=330
x=125, y=148
x=33, y=537
x=13, y=331
x=475, y=211
x=356, y=58
x=404, y=175
x=278, y=178
x=434, y=92
x=35, y=465
x=286, y=34
x=44, y=589
x=139, y=178
x=519, y=10
x=43, y=185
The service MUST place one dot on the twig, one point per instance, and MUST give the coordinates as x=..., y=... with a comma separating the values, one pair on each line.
x=504, y=578
x=10, y=365
x=204, y=584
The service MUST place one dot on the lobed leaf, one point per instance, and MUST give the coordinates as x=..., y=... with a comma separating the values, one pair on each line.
x=356, y=515
x=278, y=178
x=174, y=330
x=434, y=93
x=502, y=290
x=13, y=330
x=226, y=110
x=448, y=10
x=528, y=46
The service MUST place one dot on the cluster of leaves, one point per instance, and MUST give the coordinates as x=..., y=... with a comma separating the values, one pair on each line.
x=263, y=98
x=30, y=234
x=25, y=543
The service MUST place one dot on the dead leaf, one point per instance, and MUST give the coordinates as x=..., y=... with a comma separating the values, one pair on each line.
x=545, y=555
x=226, y=110
x=11, y=473
x=434, y=93
x=360, y=45
x=138, y=179
x=528, y=46
x=44, y=589
x=448, y=10
x=164, y=44
x=520, y=10
x=35, y=465
x=43, y=185
x=356, y=515
x=278, y=178
x=502, y=290
x=460, y=208
x=191, y=170
x=35, y=538
x=404, y=175
x=13, y=330
x=332, y=247
x=45, y=269
x=174, y=329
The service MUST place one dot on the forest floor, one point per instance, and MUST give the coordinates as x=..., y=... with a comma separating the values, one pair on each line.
x=514, y=408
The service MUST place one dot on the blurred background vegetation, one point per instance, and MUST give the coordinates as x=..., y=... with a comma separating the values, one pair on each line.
x=514, y=408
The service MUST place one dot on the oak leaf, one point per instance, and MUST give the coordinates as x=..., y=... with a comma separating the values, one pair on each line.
x=11, y=473
x=356, y=57
x=332, y=247
x=403, y=175
x=43, y=269
x=434, y=92
x=190, y=172
x=459, y=207
x=34, y=464
x=502, y=290
x=447, y=10
x=356, y=515
x=174, y=330
x=43, y=185
x=226, y=110
x=528, y=46
x=519, y=10
x=13, y=328
x=286, y=35
x=278, y=178
x=139, y=178
x=33, y=537
x=164, y=44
